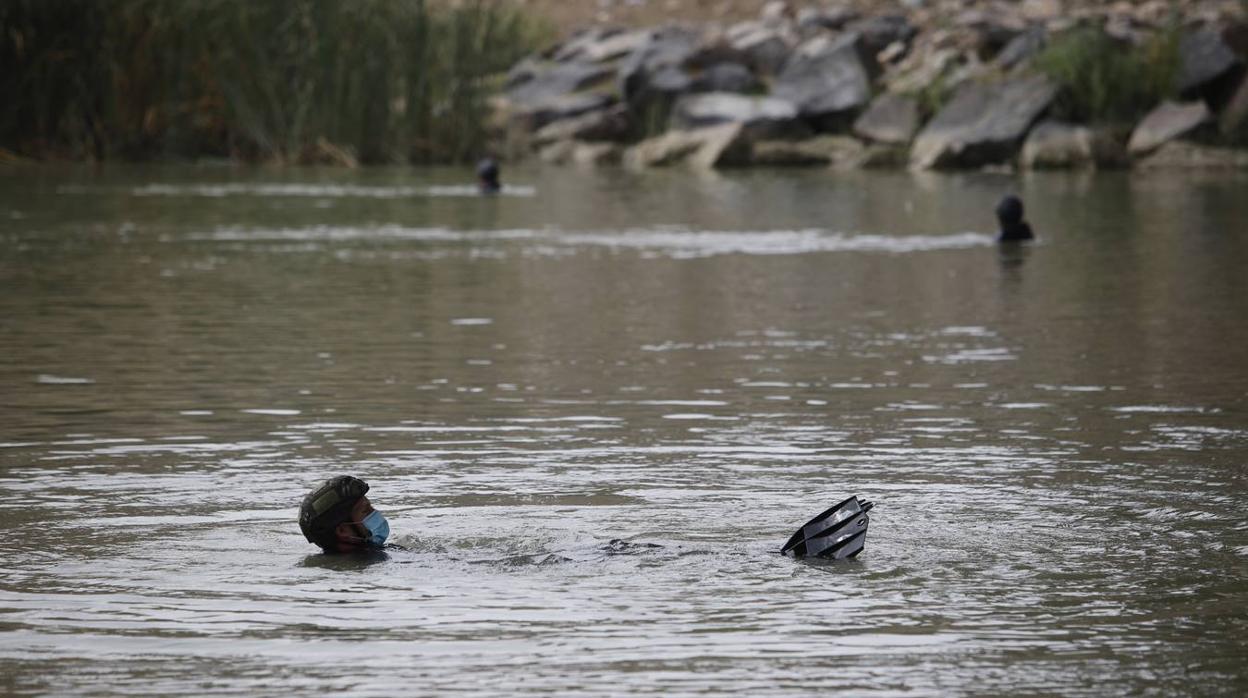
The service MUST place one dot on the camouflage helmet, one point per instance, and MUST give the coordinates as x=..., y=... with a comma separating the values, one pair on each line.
x=327, y=506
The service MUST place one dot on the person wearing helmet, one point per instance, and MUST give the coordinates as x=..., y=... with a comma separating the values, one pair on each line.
x=1010, y=216
x=339, y=518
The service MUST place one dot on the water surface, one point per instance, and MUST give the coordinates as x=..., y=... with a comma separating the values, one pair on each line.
x=594, y=407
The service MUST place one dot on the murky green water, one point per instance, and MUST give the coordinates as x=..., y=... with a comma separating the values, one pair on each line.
x=1055, y=436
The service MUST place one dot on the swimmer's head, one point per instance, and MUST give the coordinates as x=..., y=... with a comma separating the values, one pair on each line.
x=1010, y=211
x=487, y=175
x=340, y=519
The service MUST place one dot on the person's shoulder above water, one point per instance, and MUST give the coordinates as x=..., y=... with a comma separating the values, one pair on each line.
x=338, y=517
x=1010, y=217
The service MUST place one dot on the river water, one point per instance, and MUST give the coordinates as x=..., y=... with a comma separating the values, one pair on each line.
x=595, y=406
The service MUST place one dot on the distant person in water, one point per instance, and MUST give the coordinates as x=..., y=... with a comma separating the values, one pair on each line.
x=487, y=176
x=339, y=518
x=1010, y=216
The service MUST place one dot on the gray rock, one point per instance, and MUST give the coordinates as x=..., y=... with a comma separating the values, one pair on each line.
x=811, y=21
x=671, y=47
x=764, y=48
x=610, y=124
x=614, y=47
x=535, y=116
x=1165, y=123
x=983, y=124
x=1058, y=145
x=841, y=152
x=725, y=145
x=989, y=32
x=665, y=50
x=1205, y=57
x=651, y=105
x=884, y=156
x=1021, y=49
x=599, y=44
x=891, y=118
x=666, y=47
x=762, y=117
x=557, y=153
x=670, y=80
x=1178, y=155
x=522, y=72
x=555, y=81
x=775, y=13
x=925, y=68
x=596, y=153
x=880, y=31
x=827, y=79
x=1042, y=10
x=726, y=77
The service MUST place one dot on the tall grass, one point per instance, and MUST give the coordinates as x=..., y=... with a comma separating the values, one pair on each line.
x=390, y=80
x=1105, y=81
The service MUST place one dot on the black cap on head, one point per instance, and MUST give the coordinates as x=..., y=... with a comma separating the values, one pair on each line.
x=1010, y=210
x=327, y=506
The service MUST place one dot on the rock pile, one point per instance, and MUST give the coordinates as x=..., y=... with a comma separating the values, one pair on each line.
x=923, y=83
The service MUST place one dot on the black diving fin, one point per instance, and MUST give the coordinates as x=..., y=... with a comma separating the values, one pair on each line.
x=836, y=534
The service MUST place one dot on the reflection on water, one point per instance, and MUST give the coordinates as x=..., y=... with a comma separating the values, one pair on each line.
x=594, y=410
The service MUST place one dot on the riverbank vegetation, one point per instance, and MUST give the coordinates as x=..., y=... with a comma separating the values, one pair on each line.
x=1105, y=81
x=299, y=81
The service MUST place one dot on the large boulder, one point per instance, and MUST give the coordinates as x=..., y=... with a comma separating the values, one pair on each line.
x=522, y=72
x=597, y=153
x=841, y=152
x=828, y=79
x=667, y=48
x=762, y=117
x=726, y=77
x=925, y=67
x=669, y=82
x=536, y=85
x=564, y=152
x=1205, y=58
x=1165, y=123
x=891, y=118
x=983, y=124
x=765, y=47
x=601, y=45
x=724, y=145
x=1058, y=145
x=537, y=115
x=610, y=124
x=663, y=68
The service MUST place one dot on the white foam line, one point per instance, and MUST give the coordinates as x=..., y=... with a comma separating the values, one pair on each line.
x=217, y=191
x=676, y=243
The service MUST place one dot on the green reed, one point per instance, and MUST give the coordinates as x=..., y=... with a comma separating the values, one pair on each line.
x=1105, y=81
x=386, y=80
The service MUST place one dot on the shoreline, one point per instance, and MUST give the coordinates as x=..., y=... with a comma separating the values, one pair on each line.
x=955, y=85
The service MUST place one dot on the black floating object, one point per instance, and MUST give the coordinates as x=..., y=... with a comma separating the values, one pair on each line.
x=836, y=534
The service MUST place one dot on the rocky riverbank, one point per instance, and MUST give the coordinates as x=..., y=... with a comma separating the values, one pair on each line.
x=912, y=83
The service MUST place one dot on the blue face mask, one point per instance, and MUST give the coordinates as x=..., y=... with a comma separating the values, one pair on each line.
x=378, y=529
